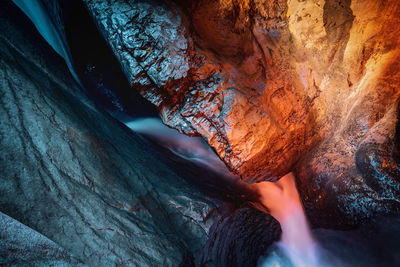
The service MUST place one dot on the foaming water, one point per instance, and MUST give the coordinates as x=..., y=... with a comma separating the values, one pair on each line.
x=297, y=246
x=193, y=149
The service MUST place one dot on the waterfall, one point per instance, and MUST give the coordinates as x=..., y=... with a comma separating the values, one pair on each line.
x=37, y=13
x=280, y=198
x=297, y=243
x=297, y=246
x=193, y=149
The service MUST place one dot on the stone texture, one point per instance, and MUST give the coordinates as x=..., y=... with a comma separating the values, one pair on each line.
x=354, y=173
x=273, y=86
x=227, y=70
x=80, y=178
x=240, y=238
x=350, y=178
x=22, y=246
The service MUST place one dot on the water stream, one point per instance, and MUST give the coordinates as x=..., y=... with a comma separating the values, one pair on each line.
x=297, y=246
x=297, y=243
x=280, y=198
x=36, y=12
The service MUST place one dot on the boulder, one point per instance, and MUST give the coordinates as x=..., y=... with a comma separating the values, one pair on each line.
x=275, y=86
x=77, y=176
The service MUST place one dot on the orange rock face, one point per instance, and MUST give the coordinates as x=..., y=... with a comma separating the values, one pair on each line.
x=290, y=74
x=273, y=86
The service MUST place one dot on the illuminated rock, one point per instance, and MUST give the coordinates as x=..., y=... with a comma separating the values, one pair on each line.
x=79, y=177
x=272, y=86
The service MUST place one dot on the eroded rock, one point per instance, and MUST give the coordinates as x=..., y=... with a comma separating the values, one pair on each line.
x=240, y=238
x=274, y=86
x=20, y=245
x=79, y=177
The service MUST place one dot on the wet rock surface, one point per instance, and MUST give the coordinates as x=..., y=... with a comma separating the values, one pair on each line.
x=272, y=86
x=22, y=246
x=275, y=86
x=101, y=75
x=351, y=179
x=80, y=178
x=240, y=238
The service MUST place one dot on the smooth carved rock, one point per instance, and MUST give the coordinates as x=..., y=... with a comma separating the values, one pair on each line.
x=80, y=178
x=220, y=96
x=274, y=86
x=354, y=172
x=20, y=245
x=239, y=239
x=225, y=71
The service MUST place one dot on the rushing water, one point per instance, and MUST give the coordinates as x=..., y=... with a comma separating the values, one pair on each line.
x=45, y=25
x=193, y=149
x=297, y=244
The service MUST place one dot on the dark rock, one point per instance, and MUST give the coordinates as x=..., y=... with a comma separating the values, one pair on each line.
x=376, y=157
x=271, y=85
x=352, y=176
x=101, y=75
x=22, y=246
x=202, y=89
x=275, y=86
x=77, y=176
x=240, y=238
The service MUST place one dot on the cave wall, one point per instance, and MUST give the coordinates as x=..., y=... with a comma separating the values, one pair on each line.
x=22, y=246
x=77, y=176
x=308, y=86
x=275, y=86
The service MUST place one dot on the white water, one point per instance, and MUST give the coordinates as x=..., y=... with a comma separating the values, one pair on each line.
x=280, y=198
x=37, y=13
x=190, y=148
x=297, y=243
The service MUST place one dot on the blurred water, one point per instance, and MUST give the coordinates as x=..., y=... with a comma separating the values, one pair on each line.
x=297, y=246
x=193, y=149
x=37, y=13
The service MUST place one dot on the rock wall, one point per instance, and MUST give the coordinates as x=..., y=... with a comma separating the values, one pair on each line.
x=251, y=232
x=79, y=177
x=20, y=245
x=273, y=86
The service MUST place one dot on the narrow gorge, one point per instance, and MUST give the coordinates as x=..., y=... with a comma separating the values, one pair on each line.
x=200, y=133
